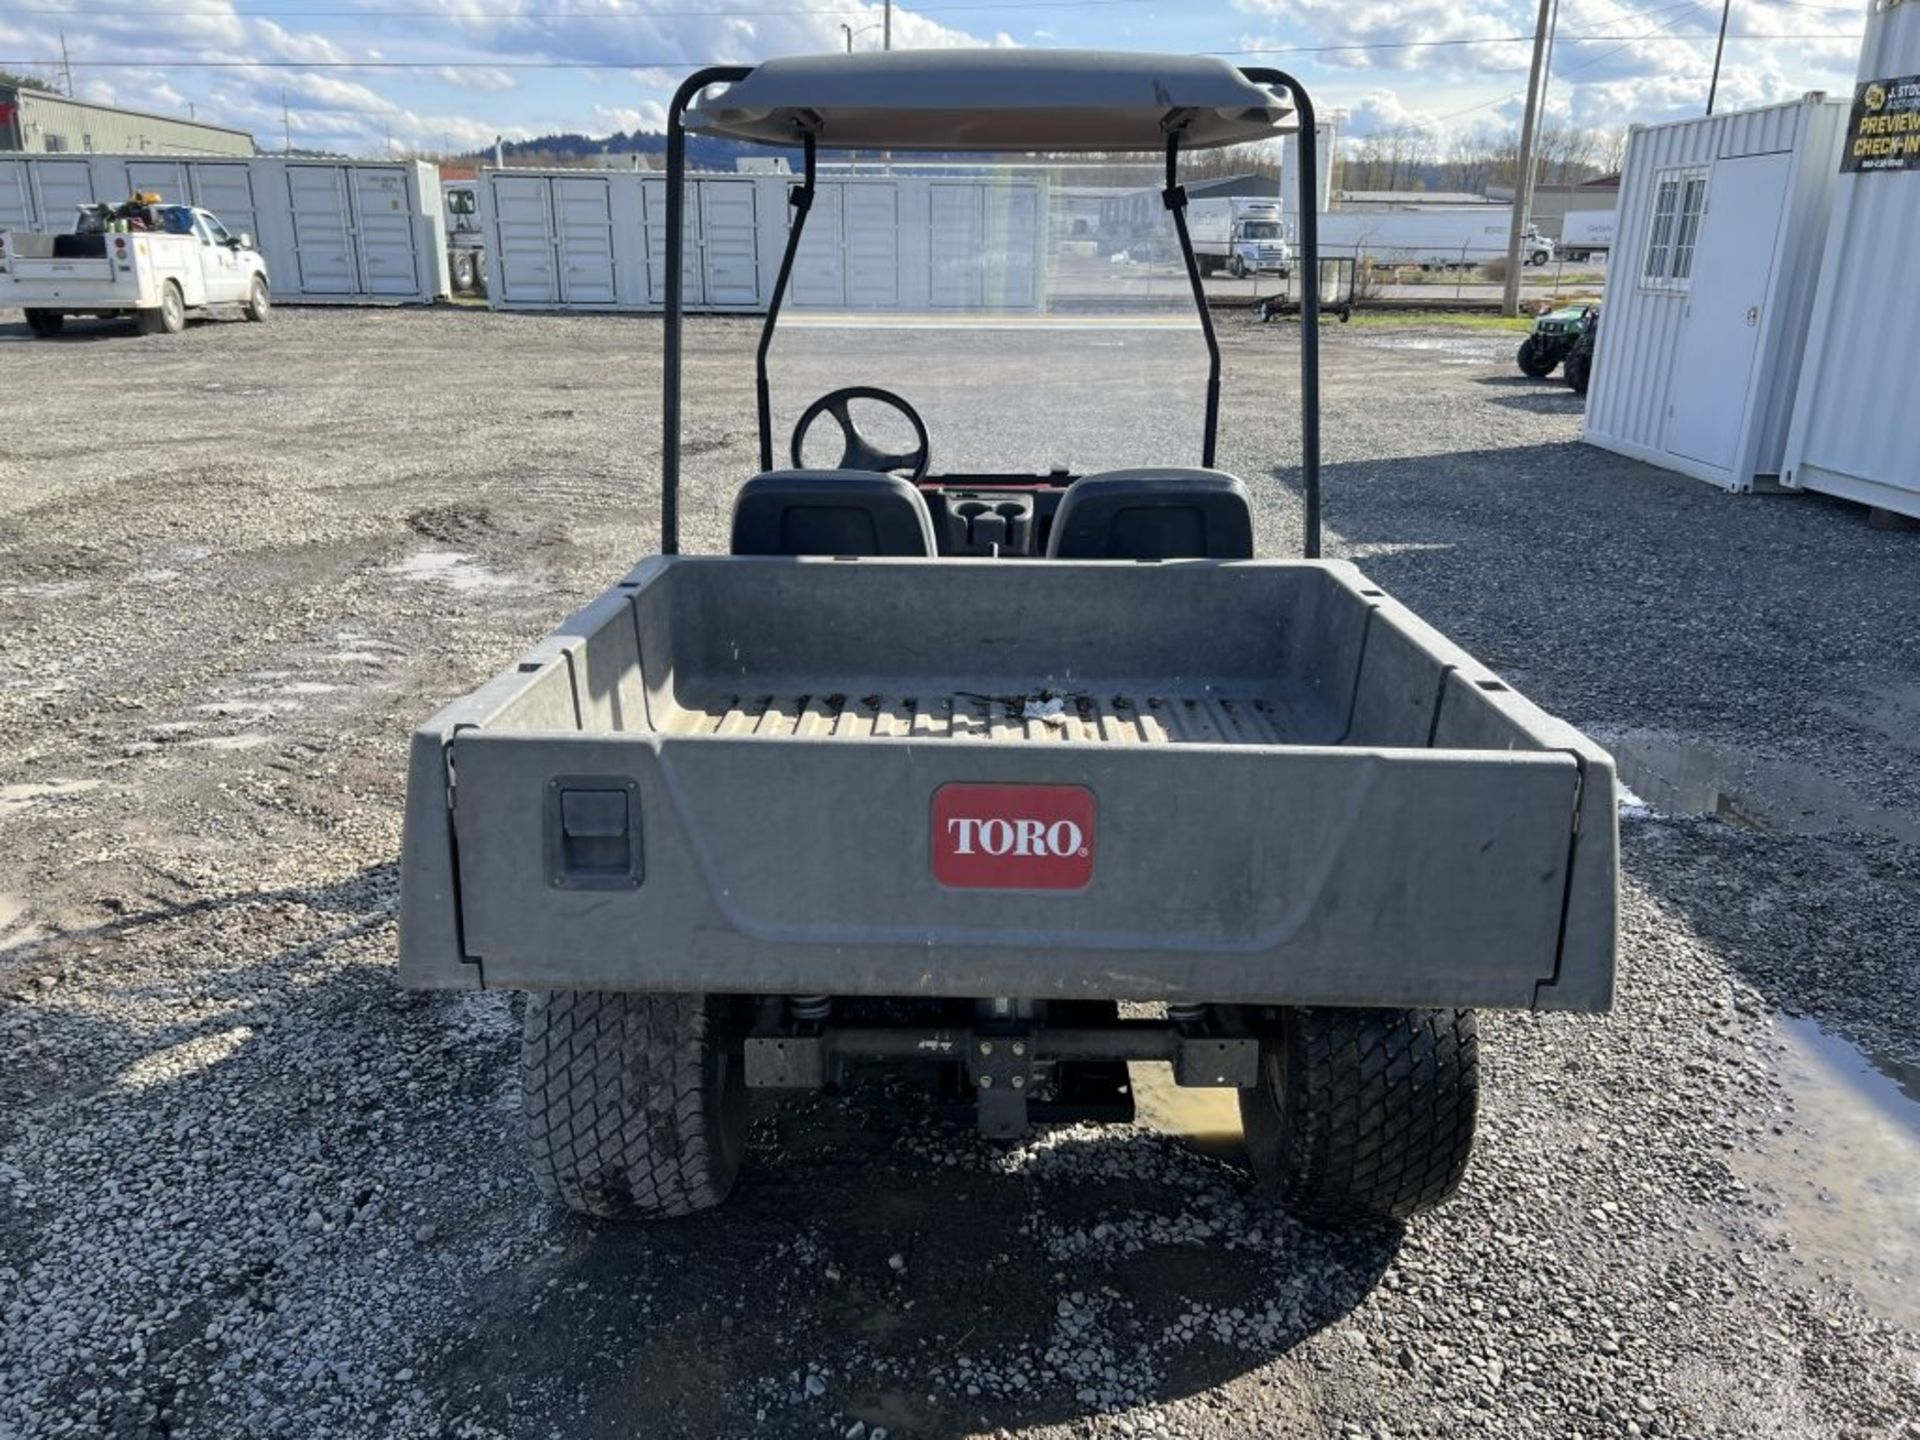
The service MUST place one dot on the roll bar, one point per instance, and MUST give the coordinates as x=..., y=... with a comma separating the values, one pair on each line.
x=1175, y=199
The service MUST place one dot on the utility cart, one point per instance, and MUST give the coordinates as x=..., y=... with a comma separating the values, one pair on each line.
x=1021, y=774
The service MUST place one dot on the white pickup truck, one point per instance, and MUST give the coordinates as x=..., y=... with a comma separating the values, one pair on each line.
x=152, y=261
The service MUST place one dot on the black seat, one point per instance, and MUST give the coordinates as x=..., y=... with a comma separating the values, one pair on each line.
x=830, y=512
x=1153, y=515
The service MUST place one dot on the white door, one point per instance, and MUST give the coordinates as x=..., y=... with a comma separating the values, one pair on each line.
x=167, y=178
x=1712, y=388
x=730, y=241
x=16, y=203
x=954, y=245
x=322, y=230
x=227, y=190
x=583, y=216
x=524, y=269
x=653, y=199
x=818, y=278
x=226, y=281
x=64, y=186
x=873, y=246
x=1012, y=223
x=383, y=224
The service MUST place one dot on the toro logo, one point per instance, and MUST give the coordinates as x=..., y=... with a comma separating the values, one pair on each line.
x=1013, y=837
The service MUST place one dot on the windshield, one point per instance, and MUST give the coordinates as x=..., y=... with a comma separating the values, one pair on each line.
x=1037, y=318
x=1261, y=230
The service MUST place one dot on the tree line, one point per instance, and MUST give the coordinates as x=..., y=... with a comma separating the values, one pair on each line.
x=1412, y=157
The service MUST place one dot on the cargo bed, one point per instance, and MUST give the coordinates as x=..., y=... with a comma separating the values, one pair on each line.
x=723, y=776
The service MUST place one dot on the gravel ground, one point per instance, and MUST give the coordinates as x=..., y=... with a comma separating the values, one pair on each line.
x=248, y=1187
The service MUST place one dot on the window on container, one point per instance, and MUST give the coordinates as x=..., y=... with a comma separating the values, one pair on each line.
x=1666, y=200
x=1679, y=200
x=1693, y=203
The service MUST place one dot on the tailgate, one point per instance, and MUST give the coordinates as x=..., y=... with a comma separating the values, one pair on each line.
x=1243, y=873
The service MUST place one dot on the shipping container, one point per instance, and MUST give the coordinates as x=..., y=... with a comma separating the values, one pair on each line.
x=588, y=240
x=1711, y=284
x=1854, y=432
x=331, y=231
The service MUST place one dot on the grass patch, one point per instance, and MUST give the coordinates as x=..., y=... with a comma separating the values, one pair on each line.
x=1446, y=319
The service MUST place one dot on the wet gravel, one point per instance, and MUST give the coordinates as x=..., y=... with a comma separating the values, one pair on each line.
x=248, y=1187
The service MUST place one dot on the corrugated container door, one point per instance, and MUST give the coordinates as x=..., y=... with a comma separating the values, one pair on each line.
x=873, y=246
x=167, y=178
x=955, y=245
x=16, y=200
x=819, y=270
x=653, y=200
x=729, y=214
x=389, y=260
x=583, y=210
x=1730, y=286
x=524, y=269
x=1013, y=219
x=227, y=190
x=322, y=242
x=63, y=187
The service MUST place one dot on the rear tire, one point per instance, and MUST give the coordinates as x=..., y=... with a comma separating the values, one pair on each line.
x=1578, y=370
x=463, y=275
x=1363, y=1115
x=259, y=300
x=634, y=1104
x=1535, y=359
x=169, y=318
x=45, y=323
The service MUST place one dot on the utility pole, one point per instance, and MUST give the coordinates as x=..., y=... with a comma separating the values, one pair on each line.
x=1523, y=176
x=848, y=31
x=286, y=122
x=66, y=65
x=886, y=25
x=1719, y=46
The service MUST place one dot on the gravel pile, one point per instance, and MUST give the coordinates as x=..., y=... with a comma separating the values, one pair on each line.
x=248, y=1187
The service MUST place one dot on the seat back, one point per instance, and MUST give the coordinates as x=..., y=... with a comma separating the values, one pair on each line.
x=1153, y=515
x=830, y=512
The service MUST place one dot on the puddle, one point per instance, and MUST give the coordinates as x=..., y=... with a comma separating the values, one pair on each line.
x=453, y=568
x=1454, y=351
x=1677, y=777
x=1846, y=1173
x=1207, y=1120
x=19, y=797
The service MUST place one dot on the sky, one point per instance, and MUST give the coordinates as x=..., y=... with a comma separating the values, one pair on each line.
x=367, y=77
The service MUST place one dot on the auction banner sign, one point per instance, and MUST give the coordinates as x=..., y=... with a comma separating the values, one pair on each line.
x=1883, y=132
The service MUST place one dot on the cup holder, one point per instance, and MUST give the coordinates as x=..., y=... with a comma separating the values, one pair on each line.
x=997, y=525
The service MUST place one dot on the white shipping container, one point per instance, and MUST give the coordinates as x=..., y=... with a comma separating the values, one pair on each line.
x=584, y=240
x=348, y=232
x=1721, y=222
x=1854, y=433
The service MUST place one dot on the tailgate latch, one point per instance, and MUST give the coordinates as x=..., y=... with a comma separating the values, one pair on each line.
x=593, y=833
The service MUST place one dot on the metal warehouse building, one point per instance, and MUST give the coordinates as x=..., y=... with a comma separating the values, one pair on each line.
x=39, y=122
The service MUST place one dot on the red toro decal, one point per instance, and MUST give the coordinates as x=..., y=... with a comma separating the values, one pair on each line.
x=1013, y=837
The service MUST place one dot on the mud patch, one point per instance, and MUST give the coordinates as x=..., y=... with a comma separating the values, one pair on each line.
x=458, y=524
x=1845, y=1171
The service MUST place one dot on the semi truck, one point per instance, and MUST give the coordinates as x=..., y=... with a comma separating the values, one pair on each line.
x=1430, y=239
x=466, y=245
x=1586, y=233
x=144, y=259
x=1239, y=235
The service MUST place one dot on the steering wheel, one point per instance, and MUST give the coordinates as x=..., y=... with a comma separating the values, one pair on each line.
x=860, y=453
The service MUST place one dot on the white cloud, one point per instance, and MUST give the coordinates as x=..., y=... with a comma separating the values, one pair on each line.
x=607, y=119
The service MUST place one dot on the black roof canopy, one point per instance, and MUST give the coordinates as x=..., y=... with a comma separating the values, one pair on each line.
x=994, y=101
